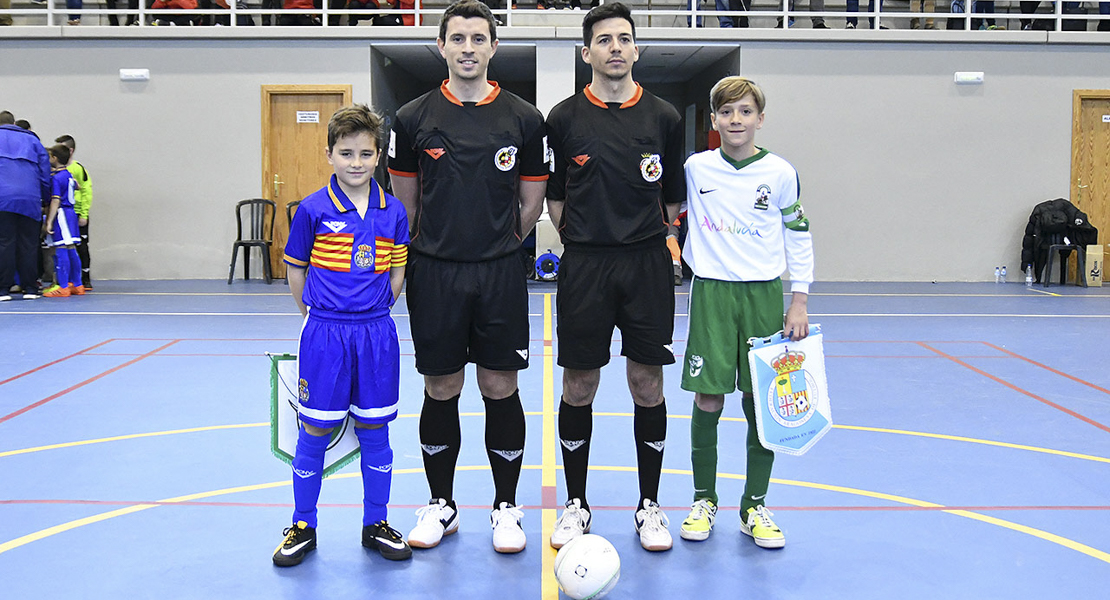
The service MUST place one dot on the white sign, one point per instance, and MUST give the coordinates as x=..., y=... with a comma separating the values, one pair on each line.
x=308, y=116
x=1106, y=118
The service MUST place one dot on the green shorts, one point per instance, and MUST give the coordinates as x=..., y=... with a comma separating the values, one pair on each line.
x=723, y=315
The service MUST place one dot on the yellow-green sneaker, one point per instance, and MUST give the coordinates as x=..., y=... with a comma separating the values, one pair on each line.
x=758, y=524
x=699, y=524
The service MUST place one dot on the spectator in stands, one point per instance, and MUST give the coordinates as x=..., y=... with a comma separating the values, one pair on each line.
x=1069, y=8
x=74, y=18
x=298, y=19
x=23, y=124
x=174, y=5
x=5, y=19
x=814, y=6
x=132, y=19
x=853, y=6
x=407, y=5
x=1104, y=9
x=24, y=179
x=733, y=5
x=241, y=20
x=926, y=6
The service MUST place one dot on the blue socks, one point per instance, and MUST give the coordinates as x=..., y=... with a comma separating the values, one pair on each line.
x=74, y=266
x=308, y=475
x=67, y=266
x=377, y=472
x=61, y=266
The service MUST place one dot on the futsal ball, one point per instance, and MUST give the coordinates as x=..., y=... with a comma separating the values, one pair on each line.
x=587, y=567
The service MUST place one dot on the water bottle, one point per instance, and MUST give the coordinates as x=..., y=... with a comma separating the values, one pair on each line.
x=997, y=275
x=1003, y=273
x=1029, y=276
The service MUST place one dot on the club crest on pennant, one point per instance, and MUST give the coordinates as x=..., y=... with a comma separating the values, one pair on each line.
x=506, y=158
x=651, y=167
x=789, y=397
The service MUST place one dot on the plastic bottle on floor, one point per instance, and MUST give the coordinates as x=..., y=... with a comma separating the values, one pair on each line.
x=997, y=275
x=1003, y=273
x=1029, y=276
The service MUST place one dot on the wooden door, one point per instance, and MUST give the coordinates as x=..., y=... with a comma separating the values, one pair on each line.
x=1090, y=158
x=294, y=138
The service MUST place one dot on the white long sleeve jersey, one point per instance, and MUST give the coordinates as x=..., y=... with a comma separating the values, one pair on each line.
x=745, y=220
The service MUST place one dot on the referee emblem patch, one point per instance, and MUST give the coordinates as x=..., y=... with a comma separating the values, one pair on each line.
x=651, y=167
x=506, y=158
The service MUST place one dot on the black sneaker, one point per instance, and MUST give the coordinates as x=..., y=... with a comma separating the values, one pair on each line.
x=387, y=540
x=300, y=539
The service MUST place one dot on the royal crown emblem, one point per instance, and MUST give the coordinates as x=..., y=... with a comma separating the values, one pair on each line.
x=790, y=393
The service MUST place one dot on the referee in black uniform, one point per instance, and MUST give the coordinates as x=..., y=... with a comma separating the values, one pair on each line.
x=617, y=184
x=468, y=160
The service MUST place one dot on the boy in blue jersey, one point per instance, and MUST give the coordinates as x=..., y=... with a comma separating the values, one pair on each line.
x=346, y=255
x=61, y=228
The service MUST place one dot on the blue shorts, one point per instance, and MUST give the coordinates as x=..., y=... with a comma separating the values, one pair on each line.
x=66, y=231
x=348, y=362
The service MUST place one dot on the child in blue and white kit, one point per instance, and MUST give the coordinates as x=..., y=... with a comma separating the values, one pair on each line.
x=62, y=231
x=346, y=255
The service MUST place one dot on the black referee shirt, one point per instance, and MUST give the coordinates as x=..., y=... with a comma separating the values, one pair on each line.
x=469, y=157
x=616, y=166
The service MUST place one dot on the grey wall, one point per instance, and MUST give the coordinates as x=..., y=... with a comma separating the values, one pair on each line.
x=905, y=175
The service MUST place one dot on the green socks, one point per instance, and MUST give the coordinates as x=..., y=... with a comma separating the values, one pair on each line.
x=703, y=452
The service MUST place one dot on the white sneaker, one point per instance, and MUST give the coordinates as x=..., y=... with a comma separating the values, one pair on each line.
x=651, y=524
x=574, y=521
x=433, y=521
x=508, y=536
x=5, y=298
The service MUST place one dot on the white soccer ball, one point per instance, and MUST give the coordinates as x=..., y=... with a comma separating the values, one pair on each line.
x=587, y=567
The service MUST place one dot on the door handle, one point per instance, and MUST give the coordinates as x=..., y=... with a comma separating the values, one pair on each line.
x=277, y=182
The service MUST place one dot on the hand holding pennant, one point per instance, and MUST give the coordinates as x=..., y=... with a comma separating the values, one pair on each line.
x=791, y=393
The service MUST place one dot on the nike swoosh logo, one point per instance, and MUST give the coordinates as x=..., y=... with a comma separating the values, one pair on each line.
x=701, y=191
x=390, y=543
x=291, y=551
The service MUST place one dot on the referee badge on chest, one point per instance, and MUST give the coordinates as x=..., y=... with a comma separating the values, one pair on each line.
x=506, y=158
x=364, y=258
x=651, y=167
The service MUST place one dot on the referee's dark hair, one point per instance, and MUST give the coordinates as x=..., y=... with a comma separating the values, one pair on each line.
x=615, y=10
x=468, y=9
x=353, y=120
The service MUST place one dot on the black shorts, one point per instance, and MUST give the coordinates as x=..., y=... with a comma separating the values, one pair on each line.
x=462, y=312
x=631, y=289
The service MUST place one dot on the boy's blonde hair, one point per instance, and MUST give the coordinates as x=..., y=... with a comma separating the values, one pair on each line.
x=733, y=88
x=353, y=120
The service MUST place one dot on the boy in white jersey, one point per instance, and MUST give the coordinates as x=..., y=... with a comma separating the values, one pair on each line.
x=746, y=227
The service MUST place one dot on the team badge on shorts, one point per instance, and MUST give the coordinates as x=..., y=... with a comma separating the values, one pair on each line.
x=762, y=195
x=506, y=158
x=364, y=258
x=302, y=390
x=651, y=167
x=695, y=365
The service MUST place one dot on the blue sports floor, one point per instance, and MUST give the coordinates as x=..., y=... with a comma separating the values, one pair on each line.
x=971, y=457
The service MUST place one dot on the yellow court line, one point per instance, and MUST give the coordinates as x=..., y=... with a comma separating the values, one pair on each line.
x=548, y=576
x=549, y=588
x=549, y=435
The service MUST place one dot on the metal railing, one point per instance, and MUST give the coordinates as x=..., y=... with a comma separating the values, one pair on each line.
x=685, y=14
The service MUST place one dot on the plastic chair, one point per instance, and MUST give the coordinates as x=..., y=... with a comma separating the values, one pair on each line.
x=289, y=210
x=1064, y=251
x=259, y=234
